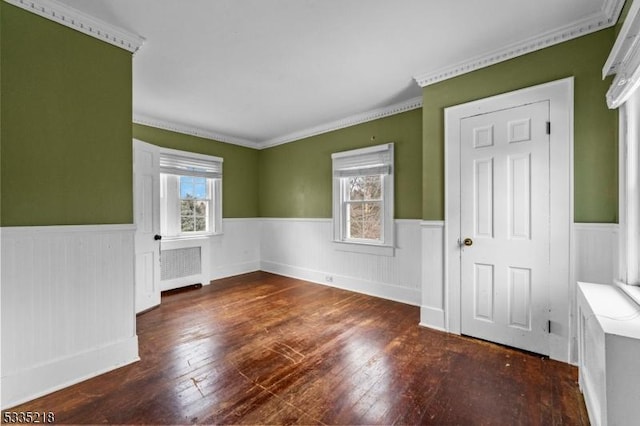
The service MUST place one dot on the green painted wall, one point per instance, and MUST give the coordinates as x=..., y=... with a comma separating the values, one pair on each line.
x=240, y=167
x=295, y=178
x=65, y=134
x=595, y=126
x=65, y=138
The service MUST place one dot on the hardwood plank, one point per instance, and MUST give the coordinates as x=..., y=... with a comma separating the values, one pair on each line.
x=265, y=349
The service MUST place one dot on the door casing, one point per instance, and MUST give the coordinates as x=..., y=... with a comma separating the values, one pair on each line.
x=562, y=288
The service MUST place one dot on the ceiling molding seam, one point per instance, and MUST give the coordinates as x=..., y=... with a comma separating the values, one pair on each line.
x=607, y=17
x=411, y=104
x=375, y=114
x=611, y=10
x=80, y=21
x=193, y=131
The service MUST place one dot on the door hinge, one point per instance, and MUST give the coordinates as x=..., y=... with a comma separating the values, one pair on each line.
x=548, y=127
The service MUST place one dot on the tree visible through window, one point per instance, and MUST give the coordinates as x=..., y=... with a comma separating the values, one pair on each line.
x=364, y=207
x=194, y=204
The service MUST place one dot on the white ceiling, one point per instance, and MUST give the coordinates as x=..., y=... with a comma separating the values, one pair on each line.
x=255, y=72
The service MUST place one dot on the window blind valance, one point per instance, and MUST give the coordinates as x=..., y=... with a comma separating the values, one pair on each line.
x=191, y=166
x=624, y=60
x=375, y=160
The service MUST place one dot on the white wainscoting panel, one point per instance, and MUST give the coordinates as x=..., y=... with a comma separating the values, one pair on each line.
x=432, y=309
x=303, y=248
x=596, y=252
x=67, y=306
x=237, y=250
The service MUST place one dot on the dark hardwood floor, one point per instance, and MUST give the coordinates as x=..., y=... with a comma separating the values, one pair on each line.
x=265, y=349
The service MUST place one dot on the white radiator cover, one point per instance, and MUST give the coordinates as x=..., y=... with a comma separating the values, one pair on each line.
x=180, y=263
x=609, y=344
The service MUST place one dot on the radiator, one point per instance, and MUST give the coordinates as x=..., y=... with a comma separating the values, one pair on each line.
x=181, y=262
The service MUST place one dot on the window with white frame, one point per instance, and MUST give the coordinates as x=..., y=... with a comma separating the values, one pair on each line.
x=190, y=195
x=363, y=198
x=624, y=93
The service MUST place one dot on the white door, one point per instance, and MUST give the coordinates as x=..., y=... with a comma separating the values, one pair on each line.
x=504, y=226
x=146, y=210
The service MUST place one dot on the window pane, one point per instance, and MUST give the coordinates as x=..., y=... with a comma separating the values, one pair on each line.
x=364, y=220
x=194, y=215
x=200, y=190
x=200, y=208
x=187, y=224
x=374, y=187
x=193, y=187
x=365, y=187
x=201, y=224
x=187, y=207
x=356, y=188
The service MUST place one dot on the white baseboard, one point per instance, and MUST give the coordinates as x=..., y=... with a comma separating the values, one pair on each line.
x=432, y=318
x=235, y=269
x=377, y=289
x=34, y=382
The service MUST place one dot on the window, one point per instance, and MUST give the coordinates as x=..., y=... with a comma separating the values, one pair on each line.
x=363, y=199
x=364, y=208
x=195, y=204
x=624, y=93
x=190, y=195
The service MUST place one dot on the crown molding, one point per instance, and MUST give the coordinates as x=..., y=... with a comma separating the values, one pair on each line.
x=80, y=21
x=193, y=131
x=411, y=104
x=375, y=114
x=605, y=18
x=611, y=9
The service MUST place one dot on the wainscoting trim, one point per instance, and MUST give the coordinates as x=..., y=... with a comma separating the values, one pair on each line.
x=303, y=248
x=434, y=296
x=80, y=282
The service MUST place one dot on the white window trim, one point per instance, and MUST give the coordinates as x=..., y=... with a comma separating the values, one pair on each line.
x=629, y=207
x=624, y=60
x=386, y=247
x=214, y=185
x=624, y=93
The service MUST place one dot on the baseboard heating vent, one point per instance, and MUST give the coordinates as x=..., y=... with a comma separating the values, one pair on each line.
x=179, y=263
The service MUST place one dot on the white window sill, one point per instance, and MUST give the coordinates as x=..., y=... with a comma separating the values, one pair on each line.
x=630, y=290
x=353, y=247
x=189, y=237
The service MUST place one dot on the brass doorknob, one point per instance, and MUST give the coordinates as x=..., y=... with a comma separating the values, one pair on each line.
x=467, y=242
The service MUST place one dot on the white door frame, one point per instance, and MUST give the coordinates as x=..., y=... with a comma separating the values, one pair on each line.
x=562, y=288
